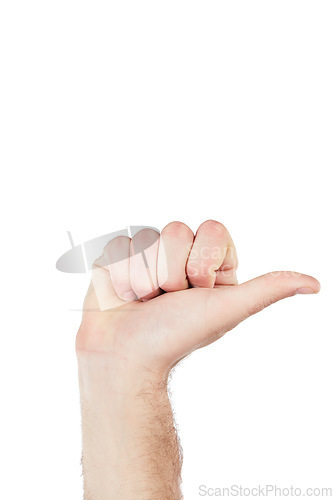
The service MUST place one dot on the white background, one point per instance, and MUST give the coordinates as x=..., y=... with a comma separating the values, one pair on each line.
x=125, y=113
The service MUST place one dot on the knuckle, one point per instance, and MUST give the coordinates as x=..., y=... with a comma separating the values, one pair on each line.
x=144, y=237
x=116, y=244
x=215, y=227
x=177, y=228
x=118, y=241
x=146, y=233
x=116, y=249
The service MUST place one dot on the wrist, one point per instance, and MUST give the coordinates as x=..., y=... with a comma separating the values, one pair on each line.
x=130, y=447
x=102, y=375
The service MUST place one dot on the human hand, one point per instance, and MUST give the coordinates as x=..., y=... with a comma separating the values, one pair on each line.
x=150, y=312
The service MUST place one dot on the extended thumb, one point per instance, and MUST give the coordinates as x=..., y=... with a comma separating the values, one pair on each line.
x=254, y=295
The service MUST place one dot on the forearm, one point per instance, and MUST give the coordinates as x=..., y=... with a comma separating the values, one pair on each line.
x=130, y=446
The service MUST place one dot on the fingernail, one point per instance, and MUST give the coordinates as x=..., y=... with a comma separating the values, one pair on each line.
x=305, y=290
x=128, y=296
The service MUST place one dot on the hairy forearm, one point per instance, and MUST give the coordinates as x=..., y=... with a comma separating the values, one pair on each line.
x=130, y=446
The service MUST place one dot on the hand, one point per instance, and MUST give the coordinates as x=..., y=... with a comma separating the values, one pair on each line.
x=153, y=300
x=151, y=311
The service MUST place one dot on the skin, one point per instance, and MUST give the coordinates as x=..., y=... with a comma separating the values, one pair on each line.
x=141, y=317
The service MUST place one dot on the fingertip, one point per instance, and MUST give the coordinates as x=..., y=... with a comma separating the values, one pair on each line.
x=308, y=285
x=317, y=286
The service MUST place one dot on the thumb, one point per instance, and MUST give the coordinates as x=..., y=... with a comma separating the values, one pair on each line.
x=210, y=313
x=253, y=296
